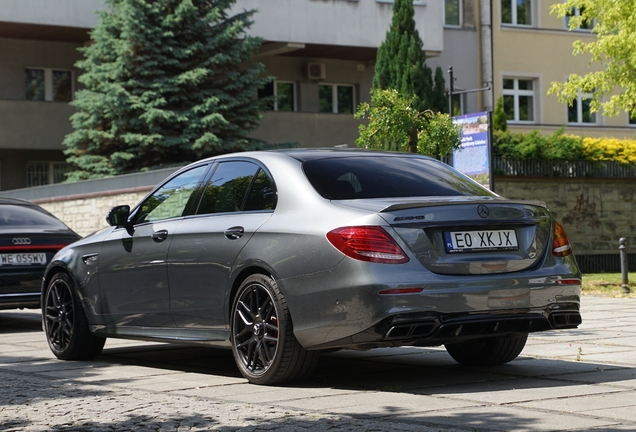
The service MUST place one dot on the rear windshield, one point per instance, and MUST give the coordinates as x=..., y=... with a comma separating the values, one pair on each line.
x=18, y=216
x=385, y=177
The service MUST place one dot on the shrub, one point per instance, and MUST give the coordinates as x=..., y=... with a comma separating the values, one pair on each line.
x=534, y=145
x=609, y=149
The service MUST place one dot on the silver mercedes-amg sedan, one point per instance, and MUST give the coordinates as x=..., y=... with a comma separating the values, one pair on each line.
x=282, y=255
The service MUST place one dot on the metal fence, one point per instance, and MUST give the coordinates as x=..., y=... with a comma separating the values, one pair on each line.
x=604, y=263
x=562, y=168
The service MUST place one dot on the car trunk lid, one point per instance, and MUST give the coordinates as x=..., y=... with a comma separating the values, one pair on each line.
x=468, y=235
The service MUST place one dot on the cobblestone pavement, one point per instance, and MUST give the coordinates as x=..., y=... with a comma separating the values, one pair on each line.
x=574, y=380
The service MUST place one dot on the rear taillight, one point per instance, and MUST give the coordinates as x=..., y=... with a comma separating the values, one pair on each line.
x=367, y=243
x=561, y=245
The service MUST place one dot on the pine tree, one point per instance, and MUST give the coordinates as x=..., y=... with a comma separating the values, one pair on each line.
x=400, y=62
x=165, y=82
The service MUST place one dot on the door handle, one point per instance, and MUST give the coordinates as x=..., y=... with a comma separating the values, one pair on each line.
x=234, y=233
x=160, y=236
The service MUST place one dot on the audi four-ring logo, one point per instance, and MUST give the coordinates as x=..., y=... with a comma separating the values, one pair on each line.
x=21, y=241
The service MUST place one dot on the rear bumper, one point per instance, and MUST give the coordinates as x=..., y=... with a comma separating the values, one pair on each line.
x=20, y=289
x=344, y=307
x=431, y=329
x=24, y=300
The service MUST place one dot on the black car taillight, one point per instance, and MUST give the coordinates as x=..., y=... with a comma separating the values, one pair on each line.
x=561, y=245
x=367, y=243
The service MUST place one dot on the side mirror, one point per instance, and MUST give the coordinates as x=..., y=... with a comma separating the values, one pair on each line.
x=118, y=216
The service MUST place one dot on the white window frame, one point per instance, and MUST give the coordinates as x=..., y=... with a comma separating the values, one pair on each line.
x=48, y=81
x=459, y=11
x=516, y=92
x=579, y=111
x=334, y=96
x=514, y=17
x=577, y=13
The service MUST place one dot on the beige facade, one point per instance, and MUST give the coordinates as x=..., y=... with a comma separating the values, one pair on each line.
x=540, y=52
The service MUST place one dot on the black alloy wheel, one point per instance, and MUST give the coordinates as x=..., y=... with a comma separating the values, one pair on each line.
x=65, y=324
x=263, y=343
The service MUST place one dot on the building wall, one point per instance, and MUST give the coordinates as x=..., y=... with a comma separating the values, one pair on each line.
x=335, y=29
x=360, y=23
x=543, y=52
x=462, y=53
x=51, y=12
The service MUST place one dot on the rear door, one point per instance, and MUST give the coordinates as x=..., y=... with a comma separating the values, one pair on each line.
x=238, y=199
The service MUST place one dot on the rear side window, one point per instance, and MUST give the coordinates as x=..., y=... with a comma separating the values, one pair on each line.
x=238, y=186
x=386, y=177
x=18, y=216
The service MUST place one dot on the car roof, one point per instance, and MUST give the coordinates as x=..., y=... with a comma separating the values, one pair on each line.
x=307, y=154
x=15, y=201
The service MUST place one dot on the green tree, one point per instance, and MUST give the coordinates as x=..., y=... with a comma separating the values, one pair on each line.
x=499, y=122
x=400, y=62
x=396, y=124
x=613, y=85
x=165, y=82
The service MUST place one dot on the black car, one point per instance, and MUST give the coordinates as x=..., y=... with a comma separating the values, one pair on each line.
x=29, y=237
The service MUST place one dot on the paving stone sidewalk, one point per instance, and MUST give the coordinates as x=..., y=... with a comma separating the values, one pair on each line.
x=575, y=380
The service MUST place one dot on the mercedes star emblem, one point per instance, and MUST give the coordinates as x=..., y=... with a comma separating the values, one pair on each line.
x=483, y=211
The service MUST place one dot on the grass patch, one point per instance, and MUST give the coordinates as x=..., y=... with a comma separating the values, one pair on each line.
x=608, y=284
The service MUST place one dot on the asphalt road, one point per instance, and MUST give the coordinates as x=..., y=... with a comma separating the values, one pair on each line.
x=575, y=380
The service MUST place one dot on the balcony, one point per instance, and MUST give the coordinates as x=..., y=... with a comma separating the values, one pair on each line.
x=328, y=28
x=308, y=129
x=28, y=125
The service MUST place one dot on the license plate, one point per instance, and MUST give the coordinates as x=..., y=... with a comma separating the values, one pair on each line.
x=483, y=240
x=22, y=259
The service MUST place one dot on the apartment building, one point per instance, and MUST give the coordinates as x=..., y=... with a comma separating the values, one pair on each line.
x=532, y=49
x=321, y=53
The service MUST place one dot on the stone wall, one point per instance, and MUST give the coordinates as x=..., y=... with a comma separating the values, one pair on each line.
x=87, y=213
x=595, y=212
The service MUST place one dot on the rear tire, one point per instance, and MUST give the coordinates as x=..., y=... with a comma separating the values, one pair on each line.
x=488, y=351
x=65, y=323
x=263, y=343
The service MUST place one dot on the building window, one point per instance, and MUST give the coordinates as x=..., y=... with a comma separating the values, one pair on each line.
x=516, y=12
x=284, y=93
x=335, y=98
x=43, y=173
x=49, y=85
x=452, y=13
x=579, y=111
x=518, y=99
x=415, y=2
x=458, y=104
x=631, y=119
x=583, y=26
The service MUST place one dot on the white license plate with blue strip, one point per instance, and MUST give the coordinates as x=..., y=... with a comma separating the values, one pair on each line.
x=482, y=240
x=17, y=259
